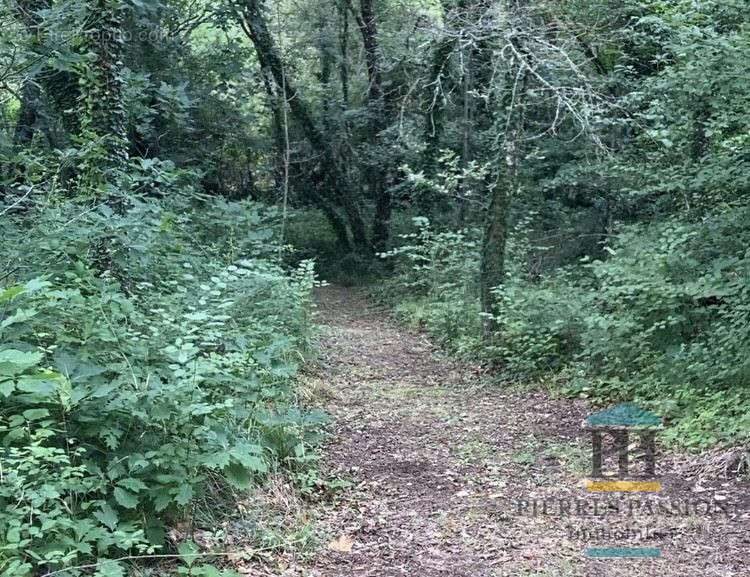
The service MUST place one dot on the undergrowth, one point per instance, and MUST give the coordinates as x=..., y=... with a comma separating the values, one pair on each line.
x=147, y=354
x=662, y=321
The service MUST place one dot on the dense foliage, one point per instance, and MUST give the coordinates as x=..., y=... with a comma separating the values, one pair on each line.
x=662, y=321
x=150, y=326
x=149, y=364
x=559, y=189
x=626, y=269
x=626, y=275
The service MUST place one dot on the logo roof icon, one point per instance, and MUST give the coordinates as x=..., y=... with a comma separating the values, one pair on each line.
x=623, y=415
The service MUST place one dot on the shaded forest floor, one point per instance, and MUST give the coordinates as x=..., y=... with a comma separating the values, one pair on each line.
x=439, y=459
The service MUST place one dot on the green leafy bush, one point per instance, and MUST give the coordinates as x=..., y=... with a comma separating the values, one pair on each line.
x=535, y=330
x=434, y=283
x=155, y=353
x=668, y=324
x=663, y=320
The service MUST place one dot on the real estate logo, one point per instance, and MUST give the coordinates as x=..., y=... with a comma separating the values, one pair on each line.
x=620, y=422
x=622, y=508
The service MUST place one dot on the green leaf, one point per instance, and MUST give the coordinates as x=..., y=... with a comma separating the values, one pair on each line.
x=35, y=414
x=125, y=498
x=238, y=476
x=162, y=499
x=184, y=494
x=13, y=535
x=251, y=462
x=108, y=516
x=11, y=292
x=20, y=316
x=109, y=568
x=76, y=369
x=14, y=362
x=216, y=460
x=189, y=551
x=133, y=484
x=6, y=388
x=43, y=383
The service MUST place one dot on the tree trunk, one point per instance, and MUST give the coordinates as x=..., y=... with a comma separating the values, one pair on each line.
x=26, y=125
x=253, y=23
x=102, y=110
x=466, y=136
x=374, y=171
x=344, y=50
x=275, y=103
x=31, y=115
x=701, y=115
x=492, y=264
x=28, y=116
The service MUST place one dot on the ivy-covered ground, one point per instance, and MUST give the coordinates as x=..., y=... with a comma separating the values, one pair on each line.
x=438, y=459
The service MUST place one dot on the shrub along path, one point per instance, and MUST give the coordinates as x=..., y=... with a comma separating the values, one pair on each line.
x=438, y=460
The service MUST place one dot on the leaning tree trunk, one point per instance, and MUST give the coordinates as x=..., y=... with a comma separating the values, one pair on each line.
x=255, y=27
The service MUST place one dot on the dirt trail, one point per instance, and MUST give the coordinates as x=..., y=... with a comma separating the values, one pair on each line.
x=439, y=461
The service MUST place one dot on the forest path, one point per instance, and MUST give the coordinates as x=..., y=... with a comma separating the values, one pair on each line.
x=438, y=461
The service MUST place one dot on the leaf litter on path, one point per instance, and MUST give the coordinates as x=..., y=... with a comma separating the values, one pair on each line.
x=439, y=465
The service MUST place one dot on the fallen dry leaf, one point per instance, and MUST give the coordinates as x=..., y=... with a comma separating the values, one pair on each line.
x=343, y=544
